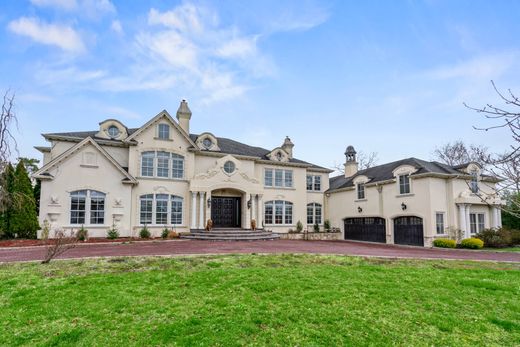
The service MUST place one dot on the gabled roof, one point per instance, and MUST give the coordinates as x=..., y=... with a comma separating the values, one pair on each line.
x=385, y=172
x=43, y=174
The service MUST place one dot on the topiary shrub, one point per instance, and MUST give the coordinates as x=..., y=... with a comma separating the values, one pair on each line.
x=165, y=232
x=316, y=228
x=472, y=243
x=326, y=225
x=495, y=238
x=299, y=227
x=144, y=233
x=82, y=234
x=444, y=243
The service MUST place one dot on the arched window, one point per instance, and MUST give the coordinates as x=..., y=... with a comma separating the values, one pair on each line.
x=278, y=212
x=163, y=131
x=161, y=209
x=162, y=164
x=87, y=207
x=313, y=213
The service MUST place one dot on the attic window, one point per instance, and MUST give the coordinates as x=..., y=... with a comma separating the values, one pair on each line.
x=113, y=131
x=163, y=131
x=207, y=143
x=279, y=155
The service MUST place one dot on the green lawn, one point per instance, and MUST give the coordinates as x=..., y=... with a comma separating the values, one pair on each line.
x=285, y=300
x=506, y=249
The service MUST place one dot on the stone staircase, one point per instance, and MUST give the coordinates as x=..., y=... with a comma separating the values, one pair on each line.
x=230, y=235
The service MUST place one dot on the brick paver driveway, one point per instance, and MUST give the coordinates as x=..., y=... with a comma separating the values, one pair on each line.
x=184, y=247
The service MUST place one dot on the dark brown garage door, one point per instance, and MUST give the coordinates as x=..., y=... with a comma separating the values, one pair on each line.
x=408, y=231
x=365, y=229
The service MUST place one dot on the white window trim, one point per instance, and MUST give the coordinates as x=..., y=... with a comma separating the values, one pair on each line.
x=283, y=214
x=169, y=211
x=443, y=222
x=155, y=166
x=157, y=133
x=87, y=210
x=314, y=213
x=476, y=222
x=364, y=198
x=313, y=180
x=399, y=185
x=283, y=186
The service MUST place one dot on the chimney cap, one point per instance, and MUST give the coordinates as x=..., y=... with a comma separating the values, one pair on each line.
x=183, y=110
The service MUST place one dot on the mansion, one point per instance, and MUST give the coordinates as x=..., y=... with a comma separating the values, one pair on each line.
x=161, y=175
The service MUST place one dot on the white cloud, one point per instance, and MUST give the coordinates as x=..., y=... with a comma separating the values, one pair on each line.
x=117, y=27
x=61, y=36
x=62, y=4
x=238, y=47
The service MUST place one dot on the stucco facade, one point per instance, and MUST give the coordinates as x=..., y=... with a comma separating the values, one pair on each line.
x=161, y=176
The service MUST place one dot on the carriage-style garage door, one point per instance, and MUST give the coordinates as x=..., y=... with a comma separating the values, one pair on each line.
x=408, y=231
x=365, y=229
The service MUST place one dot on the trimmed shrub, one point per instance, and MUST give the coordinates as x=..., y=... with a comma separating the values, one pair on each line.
x=326, y=225
x=472, y=243
x=444, y=243
x=495, y=238
x=515, y=237
x=316, y=228
x=144, y=233
x=299, y=227
x=112, y=233
x=82, y=234
x=165, y=233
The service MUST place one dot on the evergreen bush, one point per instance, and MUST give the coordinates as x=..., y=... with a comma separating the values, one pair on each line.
x=472, y=243
x=444, y=243
x=144, y=233
x=82, y=234
x=316, y=228
x=24, y=221
x=326, y=225
x=8, y=177
x=165, y=233
x=299, y=227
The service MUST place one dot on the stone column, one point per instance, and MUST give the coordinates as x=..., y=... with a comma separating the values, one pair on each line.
x=208, y=208
x=193, y=210
x=462, y=218
x=497, y=220
x=201, y=210
x=260, y=214
x=468, y=222
x=253, y=207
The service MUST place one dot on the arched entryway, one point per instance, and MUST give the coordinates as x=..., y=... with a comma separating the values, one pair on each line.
x=226, y=208
x=408, y=230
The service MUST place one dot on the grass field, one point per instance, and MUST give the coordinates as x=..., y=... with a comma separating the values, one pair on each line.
x=506, y=249
x=284, y=300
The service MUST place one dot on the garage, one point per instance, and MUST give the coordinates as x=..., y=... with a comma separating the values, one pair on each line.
x=408, y=231
x=371, y=229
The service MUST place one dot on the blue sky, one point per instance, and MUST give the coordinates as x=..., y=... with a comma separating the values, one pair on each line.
x=384, y=76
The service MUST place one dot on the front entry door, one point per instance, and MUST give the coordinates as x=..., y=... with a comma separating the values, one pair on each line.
x=225, y=212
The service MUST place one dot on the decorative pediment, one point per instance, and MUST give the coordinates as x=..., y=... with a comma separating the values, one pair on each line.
x=361, y=179
x=278, y=154
x=207, y=142
x=404, y=170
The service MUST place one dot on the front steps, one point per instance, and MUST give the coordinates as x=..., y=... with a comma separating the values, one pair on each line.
x=230, y=235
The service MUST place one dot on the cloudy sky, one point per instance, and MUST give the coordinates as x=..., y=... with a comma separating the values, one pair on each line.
x=384, y=76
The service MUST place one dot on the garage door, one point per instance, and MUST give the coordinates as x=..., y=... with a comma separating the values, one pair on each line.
x=365, y=229
x=408, y=231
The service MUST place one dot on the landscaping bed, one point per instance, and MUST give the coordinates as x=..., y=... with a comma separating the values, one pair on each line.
x=233, y=300
x=36, y=242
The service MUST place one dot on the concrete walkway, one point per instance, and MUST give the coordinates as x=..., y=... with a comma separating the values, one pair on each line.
x=185, y=247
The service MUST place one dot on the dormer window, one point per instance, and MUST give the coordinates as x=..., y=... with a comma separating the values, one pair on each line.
x=113, y=131
x=279, y=155
x=163, y=131
x=207, y=143
x=474, y=182
x=404, y=184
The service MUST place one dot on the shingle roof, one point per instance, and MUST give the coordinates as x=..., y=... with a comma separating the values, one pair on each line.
x=227, y=146
x=384, y=172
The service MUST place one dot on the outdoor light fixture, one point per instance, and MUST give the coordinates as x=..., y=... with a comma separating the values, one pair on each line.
x=248, y=204
x=359, y=209
x=403, y=206
x=209, y=202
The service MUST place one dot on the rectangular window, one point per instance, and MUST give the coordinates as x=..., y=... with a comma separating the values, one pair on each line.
x=97, y=207
x=163, y=131
x=147, y=159
x=177, y=166
x=288, y=213
x=268, y=215
x=161, y=209
x=439, y=223
x=288, y=179
x=268, y=177
x=317, y=183
x=278, y=178
x=163, y=166
x=176, y=210
x=146, y=209
x=474, y=182
x=309, y=182
x=476, y=222
x=404, y=184
x=360, y=191
x=310, y=214
x=77, y=207
x=278, y=212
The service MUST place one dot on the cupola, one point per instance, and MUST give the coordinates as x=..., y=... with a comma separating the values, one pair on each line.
x=288, y=146
x=351, y=165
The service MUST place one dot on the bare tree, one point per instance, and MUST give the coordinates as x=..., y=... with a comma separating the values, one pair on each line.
x=7, y=142
x=506, y=165
x=457, y=153
x=365, y=161
x=59, y=245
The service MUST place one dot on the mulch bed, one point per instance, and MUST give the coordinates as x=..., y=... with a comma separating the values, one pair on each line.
x=32, y=242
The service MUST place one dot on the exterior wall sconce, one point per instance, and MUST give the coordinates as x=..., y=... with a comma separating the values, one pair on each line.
x=209, y=202
x=359, y=209
x=249, y=204
x=403, y=206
